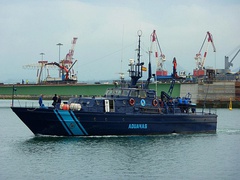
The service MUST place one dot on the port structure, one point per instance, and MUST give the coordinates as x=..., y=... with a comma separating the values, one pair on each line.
x=159, y=56
x=200, y=61
x=65, y=67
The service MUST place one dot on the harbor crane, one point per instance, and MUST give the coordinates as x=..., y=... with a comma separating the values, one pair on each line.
x=65, y=66
x=228, y=63
x=39, y=66
x=67, y=70
x=69, y=56
x=159, y=59
x=67, y=62
x=199, y=71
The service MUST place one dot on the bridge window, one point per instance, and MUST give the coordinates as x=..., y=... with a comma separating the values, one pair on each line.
x=134, y=93
x=142, y=94
x=125, y=92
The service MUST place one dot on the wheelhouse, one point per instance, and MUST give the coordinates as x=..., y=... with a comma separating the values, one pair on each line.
x=130, y=92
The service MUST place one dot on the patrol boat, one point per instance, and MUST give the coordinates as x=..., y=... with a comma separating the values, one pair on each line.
x=132, y=109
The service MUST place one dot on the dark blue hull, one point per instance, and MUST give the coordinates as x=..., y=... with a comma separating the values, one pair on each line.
x=76, y=123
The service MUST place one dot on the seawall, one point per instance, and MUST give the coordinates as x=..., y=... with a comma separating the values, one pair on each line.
x=30, y=91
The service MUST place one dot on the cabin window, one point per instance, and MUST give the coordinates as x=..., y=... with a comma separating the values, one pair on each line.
x=142, y=94
x=138, y=93
x=125, y=92
x=109, y=92
x=111, y=105
x=134, y=93
x=117, y=92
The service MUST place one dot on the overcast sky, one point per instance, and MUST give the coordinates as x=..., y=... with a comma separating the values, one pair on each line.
x=107, y=34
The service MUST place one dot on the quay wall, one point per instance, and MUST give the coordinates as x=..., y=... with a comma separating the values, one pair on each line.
x=33, y=91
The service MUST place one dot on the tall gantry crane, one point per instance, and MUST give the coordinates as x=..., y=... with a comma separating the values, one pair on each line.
x=199, y=71
x=39, y=66
x=160, y=59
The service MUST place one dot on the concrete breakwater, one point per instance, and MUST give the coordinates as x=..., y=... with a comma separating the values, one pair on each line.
x=217, y=94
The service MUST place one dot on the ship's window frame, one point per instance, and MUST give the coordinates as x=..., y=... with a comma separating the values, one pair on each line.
x=117, y=92
x=112, y=105
x=125, y=92
x=138, y=93
x=109, y=92
x=142, y=94
x=134, y=93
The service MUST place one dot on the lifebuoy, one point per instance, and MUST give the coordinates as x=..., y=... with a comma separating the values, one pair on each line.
x=131, y=101
x=155, y=102
x=143, y=102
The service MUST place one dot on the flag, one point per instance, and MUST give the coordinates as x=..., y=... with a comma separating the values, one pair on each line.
x=144, y=68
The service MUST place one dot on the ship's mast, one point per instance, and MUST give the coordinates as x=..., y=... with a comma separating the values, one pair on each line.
x=135, y=71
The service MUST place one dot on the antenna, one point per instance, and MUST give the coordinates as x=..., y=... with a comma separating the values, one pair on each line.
x=135, y=71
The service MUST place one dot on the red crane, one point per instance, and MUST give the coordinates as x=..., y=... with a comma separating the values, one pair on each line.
x=66, y=76
x=67, y=62
x=199, y=60
x=69, y=55
x=159, y=59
